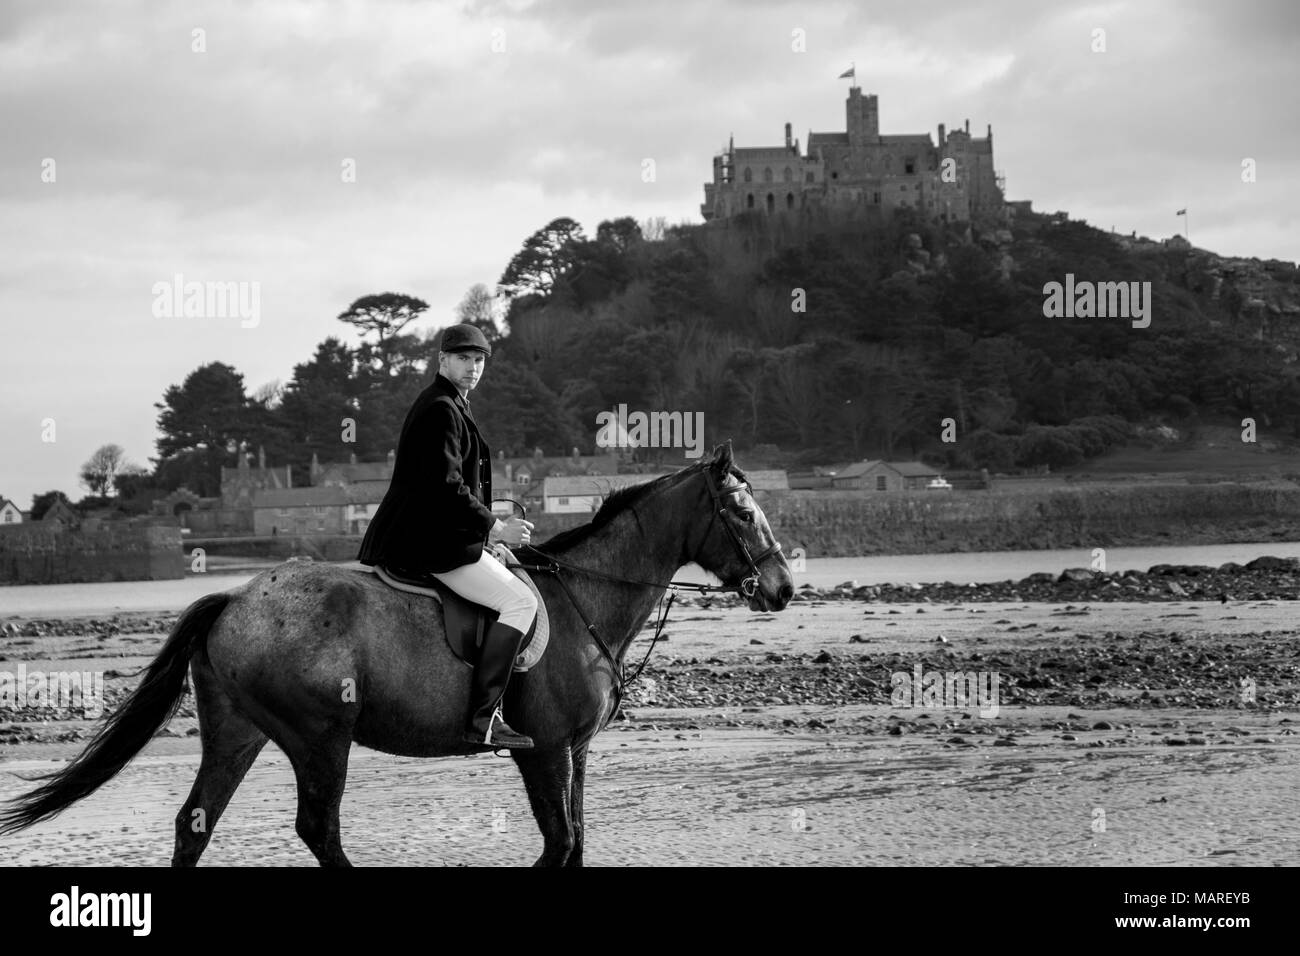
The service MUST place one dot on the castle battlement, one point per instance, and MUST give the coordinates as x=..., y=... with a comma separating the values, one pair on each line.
x=952, y=180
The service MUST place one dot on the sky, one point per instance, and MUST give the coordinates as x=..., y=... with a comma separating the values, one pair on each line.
x=319, y=152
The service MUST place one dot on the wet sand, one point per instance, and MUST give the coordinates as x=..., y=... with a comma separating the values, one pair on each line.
x=789, y=752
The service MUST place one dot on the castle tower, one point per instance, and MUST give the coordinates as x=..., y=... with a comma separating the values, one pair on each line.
x=863, y=117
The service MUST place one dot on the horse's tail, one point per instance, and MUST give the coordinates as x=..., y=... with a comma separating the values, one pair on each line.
x=124, y=734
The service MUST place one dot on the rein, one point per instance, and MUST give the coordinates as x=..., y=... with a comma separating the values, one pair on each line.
x=747, y=587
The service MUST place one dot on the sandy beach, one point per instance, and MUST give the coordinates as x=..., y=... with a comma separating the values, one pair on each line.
x=1122, y=737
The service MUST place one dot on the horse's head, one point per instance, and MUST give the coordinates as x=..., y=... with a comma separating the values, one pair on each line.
x=737, y=544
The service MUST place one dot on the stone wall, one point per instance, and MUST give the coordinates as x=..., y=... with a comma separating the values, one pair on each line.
x=841, y=524
x=45, y=553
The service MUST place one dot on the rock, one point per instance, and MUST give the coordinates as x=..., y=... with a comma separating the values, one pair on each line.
x=1103, y=725
x=941, y=639
x=754, y=640
x=1270, y=563
x=1076, y=574
x=823, y=658
x=1175, y=588
x=1040, y=577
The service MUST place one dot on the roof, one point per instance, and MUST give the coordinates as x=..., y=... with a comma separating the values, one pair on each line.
x=361, y=471
x=908, y=469
x=827, y=139
x=539, y=468
x=591, y=484
x=6, y=501
x=300, y=497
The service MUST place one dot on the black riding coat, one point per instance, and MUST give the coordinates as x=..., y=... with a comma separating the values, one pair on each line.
x=436, y=515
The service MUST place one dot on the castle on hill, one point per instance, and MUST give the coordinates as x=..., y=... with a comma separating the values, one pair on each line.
x=860, y=168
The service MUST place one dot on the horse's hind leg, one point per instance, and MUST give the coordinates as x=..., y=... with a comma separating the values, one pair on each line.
x=321, y=766
x=548, y=776
x=579, y=755
x=231, y=742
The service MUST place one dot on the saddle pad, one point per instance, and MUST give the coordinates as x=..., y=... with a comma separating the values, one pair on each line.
x=532, y=653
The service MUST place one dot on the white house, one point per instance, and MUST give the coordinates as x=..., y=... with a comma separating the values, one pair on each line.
x=10, y=512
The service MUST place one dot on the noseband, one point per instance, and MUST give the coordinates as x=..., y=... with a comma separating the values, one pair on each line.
x=749, y=584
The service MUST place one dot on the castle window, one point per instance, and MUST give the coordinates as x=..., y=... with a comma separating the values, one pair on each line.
x=807, y=177
x=875, y=198
x=771, y=202
x=767, y=174
x=749, y=175
x=788, y=175
x=749, y=201
x=835, y=175
x=889, y=163
x=789, y=200
x=909, y=166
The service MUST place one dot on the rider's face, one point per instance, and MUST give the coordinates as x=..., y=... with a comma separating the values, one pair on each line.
x=462, y=368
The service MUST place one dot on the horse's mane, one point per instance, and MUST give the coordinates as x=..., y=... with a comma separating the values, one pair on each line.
x=619, y=501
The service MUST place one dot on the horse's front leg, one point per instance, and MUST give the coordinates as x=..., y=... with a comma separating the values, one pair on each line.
x=548, y=777
x=579, y=758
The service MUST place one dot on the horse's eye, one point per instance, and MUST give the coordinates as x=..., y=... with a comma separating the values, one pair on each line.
x=748, y=516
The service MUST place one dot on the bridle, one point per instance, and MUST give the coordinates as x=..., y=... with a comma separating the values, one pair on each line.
x=749, y=584
x=747, y=587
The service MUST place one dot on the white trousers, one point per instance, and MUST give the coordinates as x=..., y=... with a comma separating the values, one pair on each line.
x=487, y=582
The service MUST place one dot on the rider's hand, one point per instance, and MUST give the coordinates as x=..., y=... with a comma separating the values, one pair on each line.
x=515, y=531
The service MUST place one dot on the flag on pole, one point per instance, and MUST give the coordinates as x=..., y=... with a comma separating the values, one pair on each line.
x=1181, y=212
x=850, y=72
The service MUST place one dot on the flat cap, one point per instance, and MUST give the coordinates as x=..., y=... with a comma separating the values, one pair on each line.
x=463, y=337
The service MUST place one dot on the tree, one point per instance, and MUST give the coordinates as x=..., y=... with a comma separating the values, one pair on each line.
x=386, y=315
x=320, y=395
x=101, y=469
x=43, y=502
x=478, y=309
x=202, y=419
x=543, y=262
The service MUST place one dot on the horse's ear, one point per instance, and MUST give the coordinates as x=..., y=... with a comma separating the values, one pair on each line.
x=722, y=459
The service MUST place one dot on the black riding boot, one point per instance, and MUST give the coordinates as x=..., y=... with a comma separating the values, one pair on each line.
x=486, y=726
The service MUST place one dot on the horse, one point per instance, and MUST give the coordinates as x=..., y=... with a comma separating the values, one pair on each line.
x=316, y=657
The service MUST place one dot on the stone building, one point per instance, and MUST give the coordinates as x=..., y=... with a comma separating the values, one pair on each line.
x=860, y=169
x=885, y=476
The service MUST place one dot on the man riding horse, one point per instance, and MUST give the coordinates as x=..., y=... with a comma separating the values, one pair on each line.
x=437, y=518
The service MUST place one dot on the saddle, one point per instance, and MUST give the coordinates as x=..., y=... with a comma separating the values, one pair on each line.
x=465, y=622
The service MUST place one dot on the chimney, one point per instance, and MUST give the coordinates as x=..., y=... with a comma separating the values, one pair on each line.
x=788, y=141
x=288, y=477
x=941, y=134
x=967, y=127
x=510, y=472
